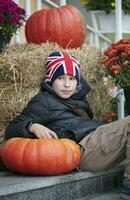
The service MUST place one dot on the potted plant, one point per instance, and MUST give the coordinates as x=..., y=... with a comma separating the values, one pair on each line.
x=11, y=18
x=102, y=14
x=106, y=5
x=116, y=62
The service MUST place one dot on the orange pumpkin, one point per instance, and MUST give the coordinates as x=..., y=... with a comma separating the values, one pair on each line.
x=64, y=25
x=40, y=156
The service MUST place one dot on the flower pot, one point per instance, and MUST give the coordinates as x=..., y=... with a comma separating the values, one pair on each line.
x=127, y=99
x=3, y=42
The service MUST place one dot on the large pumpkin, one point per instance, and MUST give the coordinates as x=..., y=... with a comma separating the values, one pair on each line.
x=64, y=25
x=40, y=156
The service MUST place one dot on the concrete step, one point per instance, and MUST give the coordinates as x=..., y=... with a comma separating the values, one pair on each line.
x=74, y=185
x=114, y=195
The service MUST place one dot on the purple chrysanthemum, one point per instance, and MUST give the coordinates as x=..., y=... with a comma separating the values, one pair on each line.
x=11, y=17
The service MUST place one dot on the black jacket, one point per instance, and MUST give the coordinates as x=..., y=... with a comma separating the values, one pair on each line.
x=57, y=114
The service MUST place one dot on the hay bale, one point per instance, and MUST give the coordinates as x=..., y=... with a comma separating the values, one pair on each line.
x=22, y=70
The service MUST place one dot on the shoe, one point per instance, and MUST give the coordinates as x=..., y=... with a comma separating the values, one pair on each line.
x=125, y=193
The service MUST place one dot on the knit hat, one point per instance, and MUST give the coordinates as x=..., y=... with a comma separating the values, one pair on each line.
x=60, y=63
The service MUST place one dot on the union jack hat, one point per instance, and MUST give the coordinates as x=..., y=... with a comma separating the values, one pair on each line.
x=60, y=63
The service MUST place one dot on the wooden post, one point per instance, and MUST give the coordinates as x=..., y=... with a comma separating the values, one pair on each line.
x=118, y=12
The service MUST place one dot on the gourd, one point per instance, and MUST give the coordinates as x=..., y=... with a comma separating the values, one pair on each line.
x=64, y=25
x=40, y=156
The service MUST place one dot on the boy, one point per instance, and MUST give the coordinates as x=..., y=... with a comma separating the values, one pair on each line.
x=60, y=110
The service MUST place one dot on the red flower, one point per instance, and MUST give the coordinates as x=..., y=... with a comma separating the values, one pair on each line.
x=110, y=52
x=113, y=60
x=109, y=116
x=116, y=60
x=124, y=54
x=116, y=68
x=128, y=53
x=103, y=60
x=126, y=63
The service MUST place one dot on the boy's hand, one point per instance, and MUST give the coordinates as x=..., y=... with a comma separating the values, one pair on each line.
x=41, y=131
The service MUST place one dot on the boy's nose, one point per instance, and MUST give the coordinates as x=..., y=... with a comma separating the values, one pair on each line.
x=67, y=82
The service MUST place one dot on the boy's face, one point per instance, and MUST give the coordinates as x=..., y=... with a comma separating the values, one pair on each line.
x=65, y=86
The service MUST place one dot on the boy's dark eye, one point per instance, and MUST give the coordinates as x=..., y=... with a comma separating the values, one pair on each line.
x=60, y=78
x=72, y=78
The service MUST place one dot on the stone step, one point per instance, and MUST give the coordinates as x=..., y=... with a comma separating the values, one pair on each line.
x=74, y=185
x=114, y=195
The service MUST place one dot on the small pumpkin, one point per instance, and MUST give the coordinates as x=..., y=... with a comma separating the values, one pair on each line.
x=64, y=25
x=40, y=156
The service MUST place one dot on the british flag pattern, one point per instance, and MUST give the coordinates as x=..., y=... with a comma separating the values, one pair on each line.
x=60, y=63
